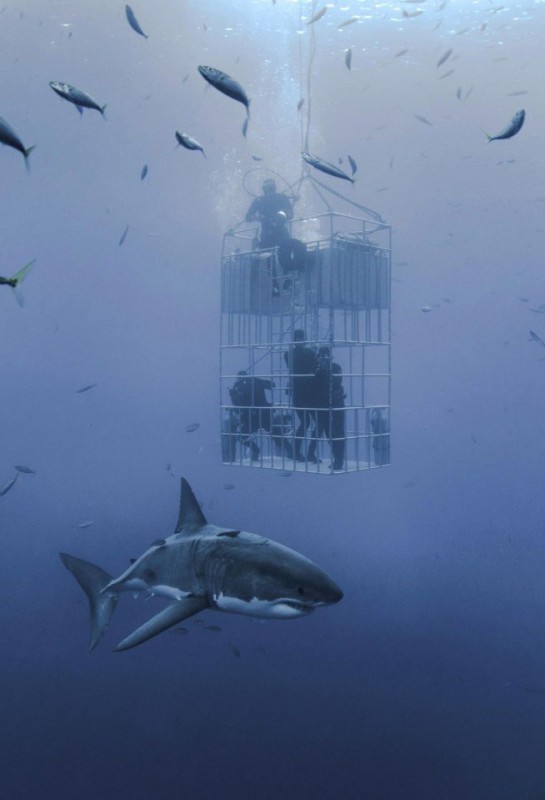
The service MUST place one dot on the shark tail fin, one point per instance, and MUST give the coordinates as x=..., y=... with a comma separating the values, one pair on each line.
x=103, y=109
x=93, y=580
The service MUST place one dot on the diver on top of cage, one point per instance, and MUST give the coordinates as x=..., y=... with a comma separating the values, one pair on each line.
x=329, y=396
x=248, y=393
x=273, y=211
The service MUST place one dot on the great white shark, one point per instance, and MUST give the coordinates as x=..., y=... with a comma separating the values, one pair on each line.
x=206, y=566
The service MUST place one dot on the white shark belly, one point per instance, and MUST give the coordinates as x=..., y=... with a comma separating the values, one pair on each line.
x=266, y=609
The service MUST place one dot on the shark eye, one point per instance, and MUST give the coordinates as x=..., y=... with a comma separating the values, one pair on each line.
x=300, y=590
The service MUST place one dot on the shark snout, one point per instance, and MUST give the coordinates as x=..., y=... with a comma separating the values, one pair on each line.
x=333, y=594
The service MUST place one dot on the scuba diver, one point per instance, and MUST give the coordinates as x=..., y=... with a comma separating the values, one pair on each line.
x=273, y=211
x=255, y=412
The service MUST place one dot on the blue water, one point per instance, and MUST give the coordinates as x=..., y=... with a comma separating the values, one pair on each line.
x=427, y=680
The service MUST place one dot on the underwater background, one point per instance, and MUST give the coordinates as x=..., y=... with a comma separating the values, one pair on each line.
x=427, y=680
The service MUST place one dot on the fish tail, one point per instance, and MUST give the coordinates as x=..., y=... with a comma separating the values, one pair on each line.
x=27, y=152
x=490, y=138
x=18, y=278
x=93, y=580
x=103, y=109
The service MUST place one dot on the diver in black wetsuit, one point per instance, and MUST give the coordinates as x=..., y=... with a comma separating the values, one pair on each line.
x=248, y=393
x=330, y=414
x=301, y=362
x=273, y=211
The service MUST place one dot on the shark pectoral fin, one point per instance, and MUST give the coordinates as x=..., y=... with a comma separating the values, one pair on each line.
x=169, y=616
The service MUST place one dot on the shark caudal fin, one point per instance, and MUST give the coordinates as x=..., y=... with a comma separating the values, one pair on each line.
x=92, y=580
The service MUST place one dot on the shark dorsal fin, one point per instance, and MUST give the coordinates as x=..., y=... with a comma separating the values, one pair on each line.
x=190, y=515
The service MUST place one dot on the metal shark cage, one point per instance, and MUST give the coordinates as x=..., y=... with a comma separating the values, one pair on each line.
x=333, y=283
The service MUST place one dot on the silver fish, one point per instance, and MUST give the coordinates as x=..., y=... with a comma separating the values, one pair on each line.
x=193, y=426
x=84, y=525
x=423, y=119
x=10, y=139
x=144, y=172
x=7, y=486
x=444, y=57
x=353, y=165
x=348, y=59
x=510, y=130
x=76, y=96
x=123, y=236
x=133, y=22
x=226, y=85
x=188, y=142
x=317, y=16
x=534, y=336
x=300, y=104
x=348, y=22
x=85, y=388
x=325, y=166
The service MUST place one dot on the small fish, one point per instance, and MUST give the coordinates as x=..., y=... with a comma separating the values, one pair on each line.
x=85, y=388
x=461, y=33
x=300, y=104
x=325, y=166
x=257, y=158
x=537, y=338
x=409, y=14
x=317, y=16
x=446, y=74
x=401, y=52
x=144, y=172
x=133, y=22
x=188, y=142
x=179, y=631
x=517, y=94
x=445, y=57
x=234, y=649
x=353, y=165
x=10, y=139
x=84, y=525
x=348, y=59
x=24, y=470
x=75, y=96
x=123, y=236
x=473, y=438
x=194, y=426
x=284, y=473
x=226, y=486
x=426, y=309
x=423, y=119
x=347, y=22
x=7, y=486
x=459, y=92
x=510, y=130
x=226, y=85
x=213, y=628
